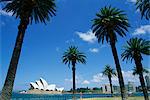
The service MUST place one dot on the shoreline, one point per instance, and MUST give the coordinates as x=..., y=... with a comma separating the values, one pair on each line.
x=35, y=91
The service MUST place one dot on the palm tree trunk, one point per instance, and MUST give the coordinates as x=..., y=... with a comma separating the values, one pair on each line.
x=120, y=76
x=143, y=86
x=9, y=81
x=110, y=81
x=140, y=68
x=74, y=79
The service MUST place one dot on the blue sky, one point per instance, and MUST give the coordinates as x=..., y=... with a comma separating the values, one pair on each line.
x=44, y=45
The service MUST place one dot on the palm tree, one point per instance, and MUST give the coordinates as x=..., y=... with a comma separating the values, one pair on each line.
x=133, y=50
x=73, y=56
x=144, y=7
x=137, y=72
x=26, y=11
x=109, y=72
x=109, y=23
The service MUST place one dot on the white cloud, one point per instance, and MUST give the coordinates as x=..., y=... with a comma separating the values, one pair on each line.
x=98, y=78
x=127, y=75
x=2, y=12
x=94, y=50
x=145, y=29
x=85, y=82
x=87, y=36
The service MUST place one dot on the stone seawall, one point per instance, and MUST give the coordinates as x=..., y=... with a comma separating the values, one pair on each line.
x=35, y=91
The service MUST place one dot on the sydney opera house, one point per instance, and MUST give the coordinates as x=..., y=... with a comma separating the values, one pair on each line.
x=43, y=85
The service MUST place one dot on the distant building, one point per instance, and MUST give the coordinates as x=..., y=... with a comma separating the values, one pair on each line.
x=43, y=85
x=106, y=88
x=116, y=89
x=131, y=87
x=138, y=89
x=147, y=78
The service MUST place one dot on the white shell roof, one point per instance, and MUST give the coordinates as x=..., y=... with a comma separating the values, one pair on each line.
x=40, y=85
x=43, y=85
x=34, y=85
x=60, y=89
x=51, y=87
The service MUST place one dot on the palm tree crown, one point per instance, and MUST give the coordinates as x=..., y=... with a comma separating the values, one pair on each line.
x=73, y=55
x=108, y=71
x=39, y=10
x=144, y=7
x=110, y=21
x=136, y=47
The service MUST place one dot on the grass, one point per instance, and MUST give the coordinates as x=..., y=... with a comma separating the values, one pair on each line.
x=115, y=98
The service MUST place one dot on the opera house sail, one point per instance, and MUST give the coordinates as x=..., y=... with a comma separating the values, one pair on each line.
x=43, y=85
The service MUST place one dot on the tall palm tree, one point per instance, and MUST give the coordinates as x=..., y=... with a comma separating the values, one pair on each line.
x=26, y=11
x=109, y=23
x=144, y=7
x=109, y=72
x=133, y=50
x=73, y=56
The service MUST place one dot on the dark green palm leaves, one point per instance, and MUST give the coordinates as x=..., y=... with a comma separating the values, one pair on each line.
x=144, y=7
x=108, y=71
x=136, y=46
x=73, y=55
x=137, y=72
x=39, y=10
x=108, y=22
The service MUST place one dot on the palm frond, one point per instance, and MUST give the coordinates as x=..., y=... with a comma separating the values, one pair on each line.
x=144, y=7
x=37, y=10
x=135, y=46
x=72, y=54
x=110, y=19
x=108, y=71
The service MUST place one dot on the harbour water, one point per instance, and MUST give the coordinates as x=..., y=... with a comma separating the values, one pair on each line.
x=17, y=96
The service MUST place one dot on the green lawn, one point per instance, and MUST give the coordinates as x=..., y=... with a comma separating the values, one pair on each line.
x=116, y=98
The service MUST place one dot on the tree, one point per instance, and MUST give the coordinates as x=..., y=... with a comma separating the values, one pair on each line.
x=109, y=72
x=73, y=56
x=26, y=11
x=137, y=72
x=109, y=23
x=144, y=7
x=133, y=50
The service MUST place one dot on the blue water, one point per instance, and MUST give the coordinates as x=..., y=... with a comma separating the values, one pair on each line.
x=17, y=96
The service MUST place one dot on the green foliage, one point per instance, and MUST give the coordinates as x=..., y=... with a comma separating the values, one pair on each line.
x=108, y=71
x=109, y=22
x=73, y=55
x=39, y=10
x=135, y=47
x=144, y=7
